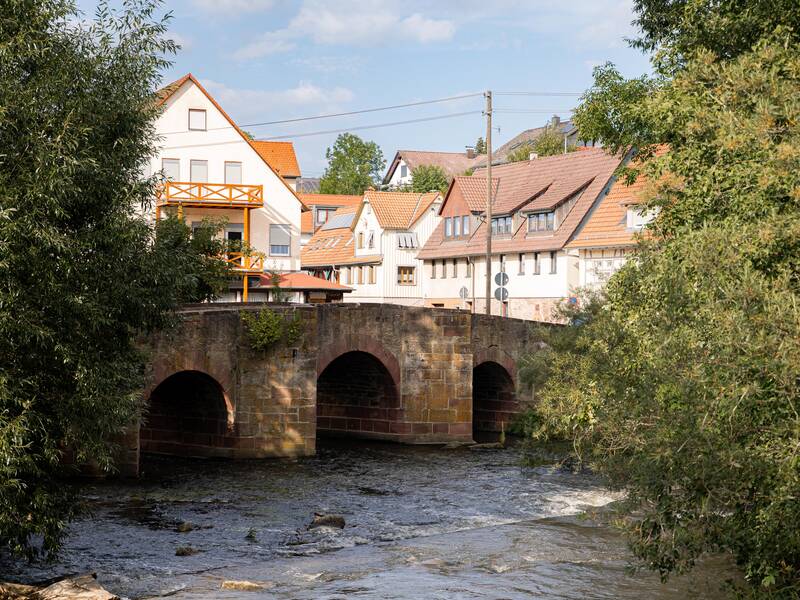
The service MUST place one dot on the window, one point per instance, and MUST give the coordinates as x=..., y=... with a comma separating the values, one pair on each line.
x=637, y=218
x=521, y=264
x=469, y=268
x=501, y=225
x=371, y=240
x=536, y=263
x=372, y=274
x=234, y=232
x=553, y=263
x=347, y=276
x=542, y=221
x=360, y=240
x=198, y=171
x=171, y=169
x=448, y=227
x=323, y=214
x=405, y=275
x=456, y=226
x=403, y=171
x=280, y=240
x=197, y=119
x=360, y=274
x=465, y=225
x=503, y=263
x=433, y=269
x=233, y=172
x=455, y=268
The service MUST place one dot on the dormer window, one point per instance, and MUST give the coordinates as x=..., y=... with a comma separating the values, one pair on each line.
x=543, y=221
x=448, y=227
x=197, y=119
x=501, y=225
x=638, y=217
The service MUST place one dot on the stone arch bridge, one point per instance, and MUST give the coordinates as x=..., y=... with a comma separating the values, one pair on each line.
x=406, y=374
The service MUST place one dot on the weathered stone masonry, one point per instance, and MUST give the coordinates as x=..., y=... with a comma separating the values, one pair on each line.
x=370, y=370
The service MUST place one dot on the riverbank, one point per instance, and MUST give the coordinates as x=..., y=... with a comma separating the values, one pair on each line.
x=420, y=522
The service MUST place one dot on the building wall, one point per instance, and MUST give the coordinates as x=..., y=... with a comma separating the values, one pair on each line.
x=397, y=180
x=218, y=144
x=598, y=264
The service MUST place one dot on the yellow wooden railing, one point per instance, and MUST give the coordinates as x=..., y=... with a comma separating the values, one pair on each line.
x=242, y=261
x=210, y=194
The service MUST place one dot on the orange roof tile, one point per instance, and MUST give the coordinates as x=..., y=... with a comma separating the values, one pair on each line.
x=335, y=245
x=303, y=281
x=539, y=184
x=606, y=225
x=280, y=155
x=326, y=200
x=452, y=163
x=399, y=210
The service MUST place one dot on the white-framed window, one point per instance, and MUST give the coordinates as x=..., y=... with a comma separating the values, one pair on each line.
x=198, y=171
x=371, y=240
x=280, y=240
x=637, y=218
x=197, y=119
x=455, y=268
x=433, y=269
x=553, y=262
x=171, y=169
x=469, y=268
x=372, y=274
x=233, y=172
x=465, y=225
x=448, y=227
x=403, y=171
x=521, y=263
x=323, y=214
x=501, y=225
x=537, y=264
x=360, y=275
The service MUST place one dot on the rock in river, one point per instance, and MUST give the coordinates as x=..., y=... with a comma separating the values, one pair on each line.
x=323, y=520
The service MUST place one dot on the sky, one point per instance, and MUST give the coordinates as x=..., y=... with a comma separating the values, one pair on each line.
x=268, y=60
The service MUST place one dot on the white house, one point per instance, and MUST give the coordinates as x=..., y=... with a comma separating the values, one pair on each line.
x=213, y=169
x=401, y=170
x=372, y=247
x=537, y=206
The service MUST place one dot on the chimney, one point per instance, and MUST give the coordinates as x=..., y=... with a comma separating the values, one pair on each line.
x=470, y=152
x=533, y=156
x=555, y=121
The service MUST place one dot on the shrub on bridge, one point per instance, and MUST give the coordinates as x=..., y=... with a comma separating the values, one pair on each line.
x=266, y=328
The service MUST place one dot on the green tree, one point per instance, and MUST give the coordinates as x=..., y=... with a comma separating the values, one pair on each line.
x=682, y=387
x=353, y=166
x=480, y=146
x=548, y=143
x=81, y=273
x=427, y=178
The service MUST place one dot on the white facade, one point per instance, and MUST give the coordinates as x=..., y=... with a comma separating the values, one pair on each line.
x=213, y=150
x=401, y=176
x=533, y=291
x=598, y=264
x=398, y=275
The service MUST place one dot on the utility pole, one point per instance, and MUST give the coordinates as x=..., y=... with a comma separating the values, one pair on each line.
x=488, y=202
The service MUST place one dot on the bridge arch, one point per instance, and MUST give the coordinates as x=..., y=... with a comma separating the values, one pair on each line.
x=189, y=413
x=494, y=397
x=358, y=389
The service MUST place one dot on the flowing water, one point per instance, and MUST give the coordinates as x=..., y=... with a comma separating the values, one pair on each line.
x=421, y=523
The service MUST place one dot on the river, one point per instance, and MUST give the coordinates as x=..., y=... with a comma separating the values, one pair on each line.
x=421, y=523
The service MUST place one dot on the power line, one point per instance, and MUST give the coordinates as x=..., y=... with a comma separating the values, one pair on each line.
x=329, y=131
x=544, y=94
x=533, y=110
x=341, y=114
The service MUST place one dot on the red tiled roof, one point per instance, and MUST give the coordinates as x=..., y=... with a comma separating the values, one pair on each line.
x=334, y=246
x=304, y=282
x=280, y=155
x=531, y=185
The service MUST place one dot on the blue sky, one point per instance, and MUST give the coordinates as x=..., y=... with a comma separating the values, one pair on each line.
x=268, y=60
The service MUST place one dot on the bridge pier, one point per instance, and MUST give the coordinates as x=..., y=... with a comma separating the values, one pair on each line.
x=379, y=371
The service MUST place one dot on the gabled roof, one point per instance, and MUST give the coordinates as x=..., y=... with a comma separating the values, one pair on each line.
x=326, y=200
x=399, y=210
x=303, y=282
x=500, y=155
x=531, y=185
x=473, y=190
x=165, y=93
x=280, y=155
x=452, y=163
x=335, y=245
x=607, y=223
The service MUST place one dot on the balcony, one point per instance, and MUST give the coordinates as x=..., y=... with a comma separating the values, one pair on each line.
x=210, y=195
x=245, y=263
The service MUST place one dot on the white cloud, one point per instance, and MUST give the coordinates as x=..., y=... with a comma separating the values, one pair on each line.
x=351, y=23
x=233, y=6
x=267, y=105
